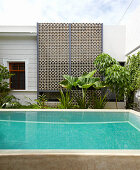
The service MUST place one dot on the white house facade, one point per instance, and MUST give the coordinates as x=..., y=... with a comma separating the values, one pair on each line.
x=18, y=45
x=19, y=48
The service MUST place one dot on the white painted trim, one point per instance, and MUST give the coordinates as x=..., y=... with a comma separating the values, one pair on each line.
x=18, y=29
x=23, y=90
x=18, y=34
x=102, y=152
x=74, y=110
x=6, y=64
x=77, y=110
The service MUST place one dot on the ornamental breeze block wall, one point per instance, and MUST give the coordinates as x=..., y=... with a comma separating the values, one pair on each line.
x=86, y=45
x=66, y=49
x=53, y=40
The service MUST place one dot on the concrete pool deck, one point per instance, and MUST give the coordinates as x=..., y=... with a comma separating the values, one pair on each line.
x=70, y=159
x=96, y=160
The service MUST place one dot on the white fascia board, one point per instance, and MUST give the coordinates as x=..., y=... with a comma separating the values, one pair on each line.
x=18, y=31
x=4, y=34
x=13, y=29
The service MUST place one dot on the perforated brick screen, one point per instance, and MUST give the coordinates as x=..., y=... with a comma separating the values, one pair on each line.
x=66, y=49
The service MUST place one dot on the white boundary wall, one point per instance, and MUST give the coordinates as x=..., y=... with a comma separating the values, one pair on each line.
x=114, y=41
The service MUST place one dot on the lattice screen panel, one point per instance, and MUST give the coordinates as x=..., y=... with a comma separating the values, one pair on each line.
x=53, y=40
x=62, y=43
x=86, y=45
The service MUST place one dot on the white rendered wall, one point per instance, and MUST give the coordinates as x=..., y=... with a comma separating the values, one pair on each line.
x=25, y=97
x=21, y=48
x=133, y=31
x=114, y=41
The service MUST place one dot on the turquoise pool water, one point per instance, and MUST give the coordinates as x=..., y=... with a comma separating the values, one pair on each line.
x=69, y=130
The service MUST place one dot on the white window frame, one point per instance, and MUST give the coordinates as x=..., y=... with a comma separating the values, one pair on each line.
x=6, y=64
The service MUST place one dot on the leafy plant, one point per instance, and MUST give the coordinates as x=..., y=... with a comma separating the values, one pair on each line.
x=28, y=101
x=103, y=61
x=83, y=82
x=116, y=76
x=65, y=100
x=82, y=104
x=133, y=66
x=14, y=104
x=41, y=101
x=4, y=86
x=69, y=82
x=99, y=102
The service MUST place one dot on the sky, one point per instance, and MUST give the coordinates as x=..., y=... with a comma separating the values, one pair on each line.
x=29, y=12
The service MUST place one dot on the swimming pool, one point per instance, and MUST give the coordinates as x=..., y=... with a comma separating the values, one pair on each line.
x=69, y=129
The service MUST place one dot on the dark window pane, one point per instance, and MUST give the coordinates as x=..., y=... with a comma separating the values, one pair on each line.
x=18, y=79
x=14, y=66
x=22, y=66
x=122, y=63
x=14, y=80
x=22, y=80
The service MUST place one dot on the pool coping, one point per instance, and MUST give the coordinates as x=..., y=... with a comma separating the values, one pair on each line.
x=77, y=110
x=99, y=110
x=70, y=152
x=116, y=152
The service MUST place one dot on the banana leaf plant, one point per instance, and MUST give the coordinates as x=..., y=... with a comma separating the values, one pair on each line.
x=83, y=82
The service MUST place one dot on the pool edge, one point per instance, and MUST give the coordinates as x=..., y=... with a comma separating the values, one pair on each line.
x=116, y=152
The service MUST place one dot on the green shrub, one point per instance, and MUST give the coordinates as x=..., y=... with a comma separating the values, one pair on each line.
x=103, y=61
x=116, y=77
x=84, y=82
x=4, y=87
x=133, y=66
x=41, y=102
x=99, y=102
x=65, y=100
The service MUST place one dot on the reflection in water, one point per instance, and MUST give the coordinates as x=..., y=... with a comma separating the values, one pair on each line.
x=65, y=116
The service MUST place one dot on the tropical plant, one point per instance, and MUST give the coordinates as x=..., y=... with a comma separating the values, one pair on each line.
x=69, y=82
x=41, y=101
x=65, y=100
x=13, y=104
x=4, y=86
x=103, y=61
x=99, y=102
x=116, y=77
x=133, y=66
x=83, y=82
x=28, y=101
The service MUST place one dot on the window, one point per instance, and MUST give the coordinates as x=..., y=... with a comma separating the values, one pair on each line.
x=122, y=63
x=17, y=81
